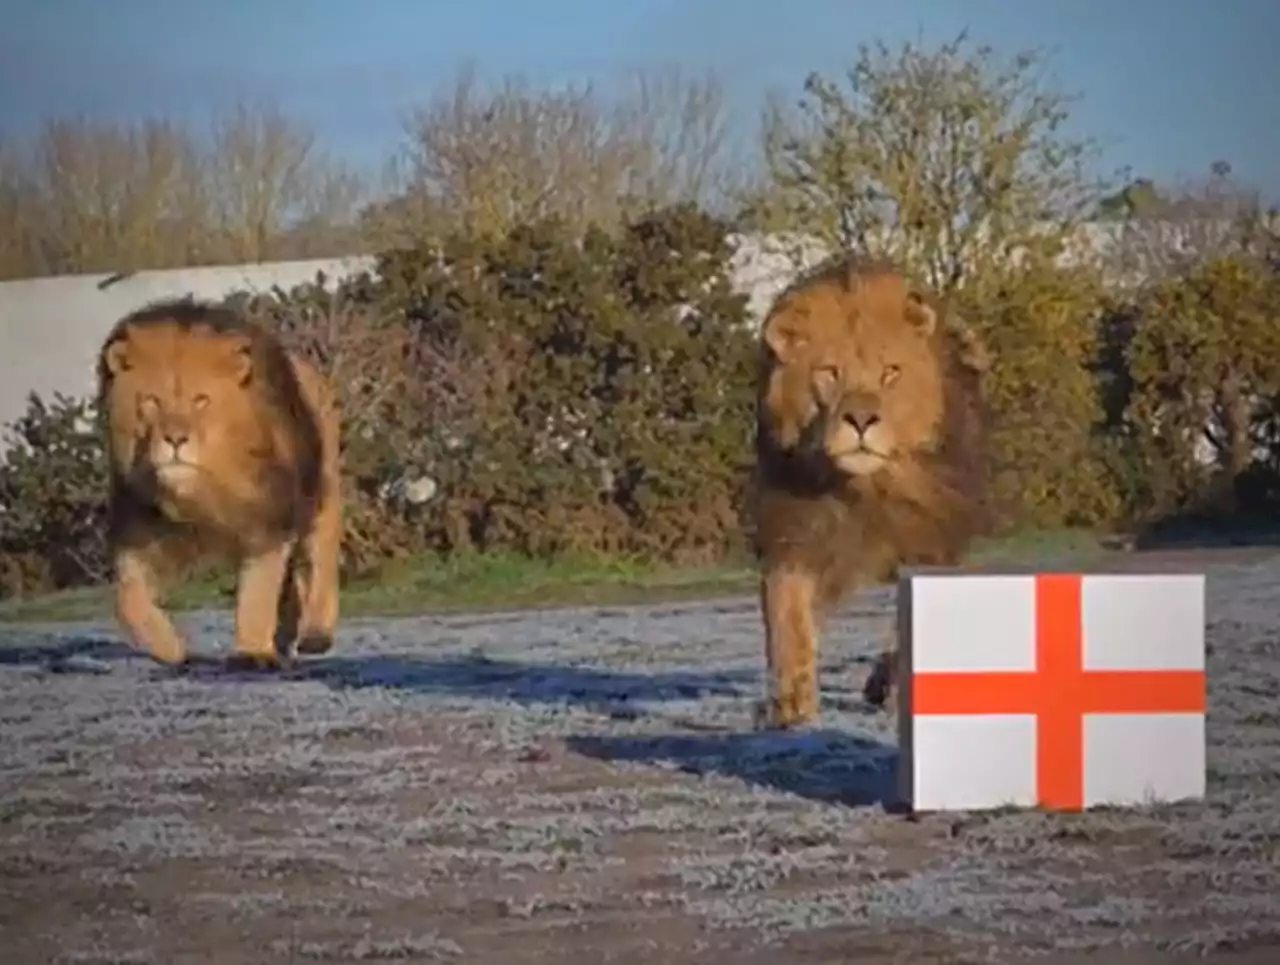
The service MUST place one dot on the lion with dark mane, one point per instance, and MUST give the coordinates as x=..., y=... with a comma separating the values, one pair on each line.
x=868, y=457
x=221, y=443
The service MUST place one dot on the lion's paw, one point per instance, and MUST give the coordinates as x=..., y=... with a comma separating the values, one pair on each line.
x=315, y=642
x=254, y=662
x=770, y=714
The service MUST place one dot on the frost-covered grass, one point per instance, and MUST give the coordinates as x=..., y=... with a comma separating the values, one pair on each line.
x=534, y=785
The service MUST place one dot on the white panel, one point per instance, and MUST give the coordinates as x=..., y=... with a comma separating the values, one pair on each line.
x=962, y=762
x=1143, y=622
x=1139, y=758
x=962, y=622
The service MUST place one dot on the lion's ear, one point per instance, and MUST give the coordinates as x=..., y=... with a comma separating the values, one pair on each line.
x=116, y=356
x=785, y=334
x=242, y=360
x=921, y=314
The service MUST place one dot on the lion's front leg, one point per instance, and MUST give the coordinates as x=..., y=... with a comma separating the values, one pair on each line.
x=791, y=646
x=138, y=609
x=258, y=595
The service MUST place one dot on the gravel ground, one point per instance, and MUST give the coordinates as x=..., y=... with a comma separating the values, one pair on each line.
x=584, y=786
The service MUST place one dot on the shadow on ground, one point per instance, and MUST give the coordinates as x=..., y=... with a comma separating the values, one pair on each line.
x=615, y=693
x=1197, y=530
x=831, y=766
x=73, y=655
x=473, y=676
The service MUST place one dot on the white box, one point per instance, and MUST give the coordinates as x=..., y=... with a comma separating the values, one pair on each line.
x=1052, y=690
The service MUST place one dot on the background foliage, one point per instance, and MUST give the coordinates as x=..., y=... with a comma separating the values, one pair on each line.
x=549, y=358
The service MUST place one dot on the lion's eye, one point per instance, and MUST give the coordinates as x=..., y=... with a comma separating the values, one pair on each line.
x=200, y=401
x=148, y=405
x=891, y=373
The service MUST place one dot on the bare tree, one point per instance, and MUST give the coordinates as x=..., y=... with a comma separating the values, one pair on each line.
x=264, y=179
x=678, y=129
x=108, y=198
x=86, y=196
x=485, y=159
x=18, y=240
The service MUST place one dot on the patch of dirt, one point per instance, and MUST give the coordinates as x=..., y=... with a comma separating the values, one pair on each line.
x=584, y=785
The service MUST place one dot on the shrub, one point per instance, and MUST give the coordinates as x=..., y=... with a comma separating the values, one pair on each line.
x=1049, y=458
x=52, y=499
x=602, y=387
x=1203, y=358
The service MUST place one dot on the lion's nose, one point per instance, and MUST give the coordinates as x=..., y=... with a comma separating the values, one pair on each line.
x=176, y=438
x=861, y=419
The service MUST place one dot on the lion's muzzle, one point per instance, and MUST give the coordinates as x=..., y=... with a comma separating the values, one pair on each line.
x=857, y=439
x=174, y=453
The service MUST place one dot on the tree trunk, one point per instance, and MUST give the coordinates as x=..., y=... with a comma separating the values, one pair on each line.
x=1237, y=451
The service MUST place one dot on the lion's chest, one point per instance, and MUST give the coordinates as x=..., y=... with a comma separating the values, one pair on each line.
x=255, y=506
x=177, y=509
x=848, y=531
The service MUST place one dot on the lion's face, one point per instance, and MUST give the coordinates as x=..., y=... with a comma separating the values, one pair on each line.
x=180, y=401
x=858, y=376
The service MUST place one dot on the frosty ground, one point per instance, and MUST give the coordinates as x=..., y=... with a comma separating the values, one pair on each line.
x=584, y=786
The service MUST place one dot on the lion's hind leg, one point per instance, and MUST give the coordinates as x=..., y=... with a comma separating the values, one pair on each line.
x=323, y=545
x=880, y=688
x=293, y=590
x=319, y=590
x=258, y=596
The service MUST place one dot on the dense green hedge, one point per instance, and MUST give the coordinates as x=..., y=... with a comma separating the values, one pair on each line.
x=553, y=393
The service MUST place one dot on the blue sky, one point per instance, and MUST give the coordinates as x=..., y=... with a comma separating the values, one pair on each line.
x=1170, y=86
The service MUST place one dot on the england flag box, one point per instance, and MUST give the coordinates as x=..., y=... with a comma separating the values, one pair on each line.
x=1050, y=690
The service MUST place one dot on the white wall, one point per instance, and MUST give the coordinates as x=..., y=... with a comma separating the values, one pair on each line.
x=51, y=328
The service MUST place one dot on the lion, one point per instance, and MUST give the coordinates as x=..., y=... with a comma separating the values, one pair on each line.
x=869, y=436
x=220, y=443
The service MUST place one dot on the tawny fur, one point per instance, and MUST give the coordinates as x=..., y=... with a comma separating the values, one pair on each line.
x=223, y=444
x=854, y=345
